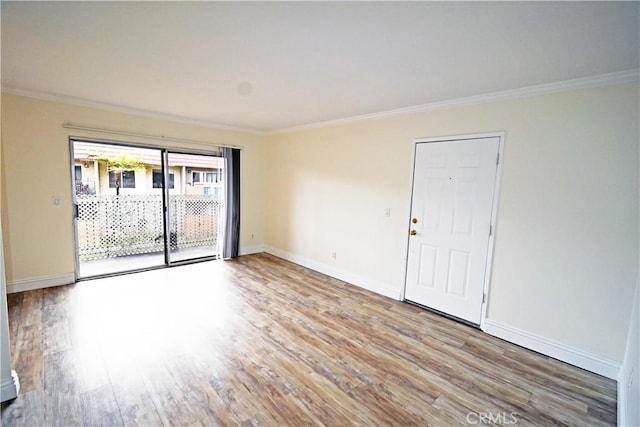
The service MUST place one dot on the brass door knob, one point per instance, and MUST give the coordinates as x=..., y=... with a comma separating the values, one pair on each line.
x=414, y=220
x=413, y=232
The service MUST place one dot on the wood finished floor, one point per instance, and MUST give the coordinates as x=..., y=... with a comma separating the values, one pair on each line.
x=260, y=341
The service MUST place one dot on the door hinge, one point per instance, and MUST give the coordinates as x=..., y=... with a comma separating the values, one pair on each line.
x=498, y=159
x=75, y=210
x=484, y=298
x=490, y=230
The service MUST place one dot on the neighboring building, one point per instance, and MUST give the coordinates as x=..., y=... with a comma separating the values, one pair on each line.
x=188, y=174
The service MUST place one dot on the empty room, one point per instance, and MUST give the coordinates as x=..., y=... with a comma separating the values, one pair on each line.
x=320, y=213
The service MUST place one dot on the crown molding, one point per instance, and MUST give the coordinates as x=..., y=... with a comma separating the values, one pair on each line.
x=70, y=100
x=621, y=77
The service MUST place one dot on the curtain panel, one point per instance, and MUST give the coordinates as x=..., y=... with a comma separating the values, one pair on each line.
x=231, y=244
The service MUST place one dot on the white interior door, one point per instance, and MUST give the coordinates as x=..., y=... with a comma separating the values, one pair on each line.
x=453, y=191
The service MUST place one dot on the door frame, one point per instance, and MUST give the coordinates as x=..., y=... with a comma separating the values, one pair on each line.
x=494, y=207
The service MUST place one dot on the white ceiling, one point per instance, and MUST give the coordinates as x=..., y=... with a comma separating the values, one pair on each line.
x=271, y=65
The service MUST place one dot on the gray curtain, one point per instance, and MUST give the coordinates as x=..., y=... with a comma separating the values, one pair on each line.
x=231, y=242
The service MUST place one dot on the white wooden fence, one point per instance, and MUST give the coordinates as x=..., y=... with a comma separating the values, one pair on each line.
x=110, y=226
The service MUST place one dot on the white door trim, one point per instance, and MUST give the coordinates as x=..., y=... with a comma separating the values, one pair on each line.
x=494, y=208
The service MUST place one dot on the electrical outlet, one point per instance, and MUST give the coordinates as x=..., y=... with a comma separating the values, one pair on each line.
x=333, y=255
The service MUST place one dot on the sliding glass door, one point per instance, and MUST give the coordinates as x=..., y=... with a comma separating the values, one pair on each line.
x=138, y=208
x=194, y=206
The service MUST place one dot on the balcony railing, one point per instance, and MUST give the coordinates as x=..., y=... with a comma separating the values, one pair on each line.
x=113, y=226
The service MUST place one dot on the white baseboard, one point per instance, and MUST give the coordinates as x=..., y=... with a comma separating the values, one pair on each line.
x=344, y=275
x=590, y=362
x=251, y=250
x=622, y=399
x=9, y=387
x=40, y=282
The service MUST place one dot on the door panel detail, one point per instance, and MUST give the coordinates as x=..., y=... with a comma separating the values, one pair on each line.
x=428, y=257
x=458, y=273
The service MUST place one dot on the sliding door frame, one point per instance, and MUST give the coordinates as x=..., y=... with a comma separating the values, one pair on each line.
x=167, y=207
x=164, y=152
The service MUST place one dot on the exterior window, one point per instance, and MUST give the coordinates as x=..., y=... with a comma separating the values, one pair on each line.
x=157, y=179
x=128, y=179
x=78, y=174
x=198, y=177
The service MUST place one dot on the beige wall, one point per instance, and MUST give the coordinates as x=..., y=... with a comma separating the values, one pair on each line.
x=38, y=235
x=566, y=247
